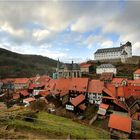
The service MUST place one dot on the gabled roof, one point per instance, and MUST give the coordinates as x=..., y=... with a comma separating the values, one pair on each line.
x=82, y=106
x=30, y=99
x=120, y=123
x=77, y=100
x=106, y=76
x=106, y=66
x=79, y=84
x=95, y=86
x=104, y=106
x=137, y=71
x=85, y=65
x=62, y=84
x=24, y=92
x=44, y=93
x=21, y=80
x=118, y=80
x=120, y=104
x=135, y=82
x=106, y=50
x=43, y=79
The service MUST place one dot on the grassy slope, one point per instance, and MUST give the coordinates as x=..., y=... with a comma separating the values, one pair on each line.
x=60, y=126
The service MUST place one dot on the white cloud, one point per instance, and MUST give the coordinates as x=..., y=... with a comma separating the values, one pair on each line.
x=107, y=44
x=7, y=28
x=41, y=34
x=136, y=48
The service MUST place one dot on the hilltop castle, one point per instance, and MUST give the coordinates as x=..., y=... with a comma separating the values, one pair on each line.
x=123, y=52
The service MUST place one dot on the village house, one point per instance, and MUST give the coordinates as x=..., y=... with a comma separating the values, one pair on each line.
x=28, y=101
x=136, y=74
x=119, y=81
x=76, y=104
x=103, y=108
x=21, y=83
x=106, y=68
x=94, y=91
x=86, y=68
x=106, y=77
x=78, y=86
x=68, y=70
x=120, y=126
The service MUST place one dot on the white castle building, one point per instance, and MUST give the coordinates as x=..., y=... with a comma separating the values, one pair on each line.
x=122, y=52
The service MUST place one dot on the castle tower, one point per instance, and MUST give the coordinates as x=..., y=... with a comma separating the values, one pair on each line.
x=128, y=49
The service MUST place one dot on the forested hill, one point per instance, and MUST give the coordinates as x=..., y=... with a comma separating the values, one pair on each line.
x=18, y=65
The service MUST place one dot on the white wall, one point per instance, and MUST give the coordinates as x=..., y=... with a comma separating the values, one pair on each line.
x=136, y=76
x=101, y=70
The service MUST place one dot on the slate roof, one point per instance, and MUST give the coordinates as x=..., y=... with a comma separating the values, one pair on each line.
x=67, y=66
x=106, y=66
x=106, y=50
x=114, y=49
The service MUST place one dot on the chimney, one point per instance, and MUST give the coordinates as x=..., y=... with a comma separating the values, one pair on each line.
x=116, y=90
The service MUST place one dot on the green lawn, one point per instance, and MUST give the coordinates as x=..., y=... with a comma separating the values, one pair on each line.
x=48, y=123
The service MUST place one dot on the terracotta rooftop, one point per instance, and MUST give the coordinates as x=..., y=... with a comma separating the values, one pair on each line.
x=85, y=65
x=24, y=92
x=104, y=106
x=137, y=71
x=82, y=107
x=44, y=93
x=77, y=100
x=118, y=80
x=106, y=76
x=21, y=80
x=30, y=99
x=95, y=86
x=120, y=123
x=79, y=84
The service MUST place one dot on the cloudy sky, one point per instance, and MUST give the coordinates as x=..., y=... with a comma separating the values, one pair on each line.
x=68, y=29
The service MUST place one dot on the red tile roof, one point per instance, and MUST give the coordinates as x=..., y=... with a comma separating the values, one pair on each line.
x=77, y=100
x=62, y=84
x=95, y=86
x=79, y=84
x=8, y=80
x=114, y=91
x=16, y=96
x=21, y=80
x=104, y=106
x=135, y=82
x=120, y=104
x=118, y=80
x=120, y=123
x=106, y=76
x=82, y=106
x=44, y=93
x=137, y=71
x=24, y=92
x=43, y=79
x=85, y=65
x=30, y=99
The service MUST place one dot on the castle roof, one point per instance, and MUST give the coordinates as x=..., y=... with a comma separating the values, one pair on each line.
x=114, y=49
x=106, y=50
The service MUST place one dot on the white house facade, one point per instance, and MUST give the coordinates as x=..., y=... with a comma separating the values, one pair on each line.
x=122, y=52
x=108, y=68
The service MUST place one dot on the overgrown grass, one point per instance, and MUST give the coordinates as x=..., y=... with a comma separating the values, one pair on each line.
x=60, y=126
